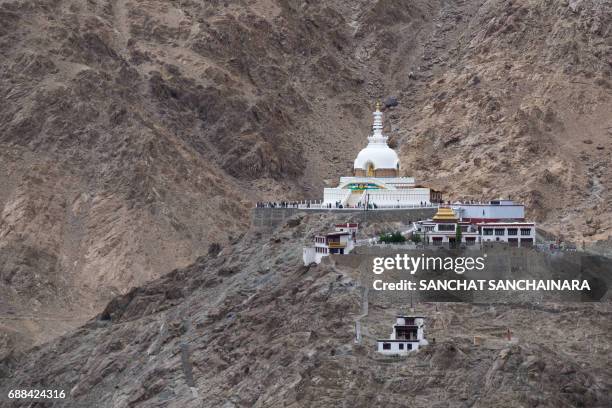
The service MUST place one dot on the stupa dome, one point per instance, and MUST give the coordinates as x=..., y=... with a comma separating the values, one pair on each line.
x=380, y=156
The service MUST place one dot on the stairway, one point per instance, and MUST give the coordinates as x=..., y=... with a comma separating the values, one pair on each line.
x=354, y=198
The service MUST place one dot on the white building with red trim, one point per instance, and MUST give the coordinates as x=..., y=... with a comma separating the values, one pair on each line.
x=408, y=335
x=340, y=242
x=481, y=223
x=519, y=234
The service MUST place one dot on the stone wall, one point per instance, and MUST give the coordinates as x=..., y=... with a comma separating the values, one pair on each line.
x=270, y=218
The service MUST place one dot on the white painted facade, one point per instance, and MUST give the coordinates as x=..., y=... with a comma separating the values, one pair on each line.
x=520, y=234
x=347, y=227
x=436, y=233
x=408, y=335
x=361, y=191
x=340, y=242
x=495, y=210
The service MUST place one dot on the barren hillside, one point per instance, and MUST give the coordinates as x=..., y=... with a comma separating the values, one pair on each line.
x=252, y=327
x=135, y=133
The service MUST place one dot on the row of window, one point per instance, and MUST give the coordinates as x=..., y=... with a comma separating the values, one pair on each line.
x=387, y=346
x=468, y=240
x=486, y=231
x=502, y=231
x=331, y=251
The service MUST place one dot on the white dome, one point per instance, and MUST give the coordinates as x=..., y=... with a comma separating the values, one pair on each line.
x=379, y=154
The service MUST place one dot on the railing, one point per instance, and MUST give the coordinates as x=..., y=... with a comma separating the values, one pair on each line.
x=555, y=248
x=317, y=205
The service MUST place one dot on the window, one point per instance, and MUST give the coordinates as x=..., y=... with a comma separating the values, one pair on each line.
x=500, y=231
x=525, y=231
x=446, y=227
x=386, y=346
x=512, y=231
x=487, y=231
x=401, y=346
x=409, y=346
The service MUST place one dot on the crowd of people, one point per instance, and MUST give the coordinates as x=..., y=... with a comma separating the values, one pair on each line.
x=283, y=204
x=337, y=204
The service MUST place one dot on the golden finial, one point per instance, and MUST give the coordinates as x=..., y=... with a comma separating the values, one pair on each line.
x=378, y=106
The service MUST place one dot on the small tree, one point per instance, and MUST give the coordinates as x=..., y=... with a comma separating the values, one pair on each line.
x=457, y=235
x=398, y=237
x=392, y=238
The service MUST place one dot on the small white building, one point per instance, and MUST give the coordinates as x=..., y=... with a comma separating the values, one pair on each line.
x=341, y=242
x=407, y=336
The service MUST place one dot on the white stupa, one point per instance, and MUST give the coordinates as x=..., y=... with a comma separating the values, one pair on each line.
x=377, y=158
x=376, y=181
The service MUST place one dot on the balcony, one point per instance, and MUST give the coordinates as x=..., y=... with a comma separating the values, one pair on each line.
x=336, y=245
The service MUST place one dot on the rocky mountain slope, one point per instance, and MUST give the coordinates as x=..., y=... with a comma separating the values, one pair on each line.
x=136, y=133
x=251, y=327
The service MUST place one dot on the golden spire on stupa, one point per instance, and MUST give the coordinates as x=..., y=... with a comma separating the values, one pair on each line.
x=378, y=106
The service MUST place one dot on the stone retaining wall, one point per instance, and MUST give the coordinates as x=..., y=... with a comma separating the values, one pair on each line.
x=270, y=218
